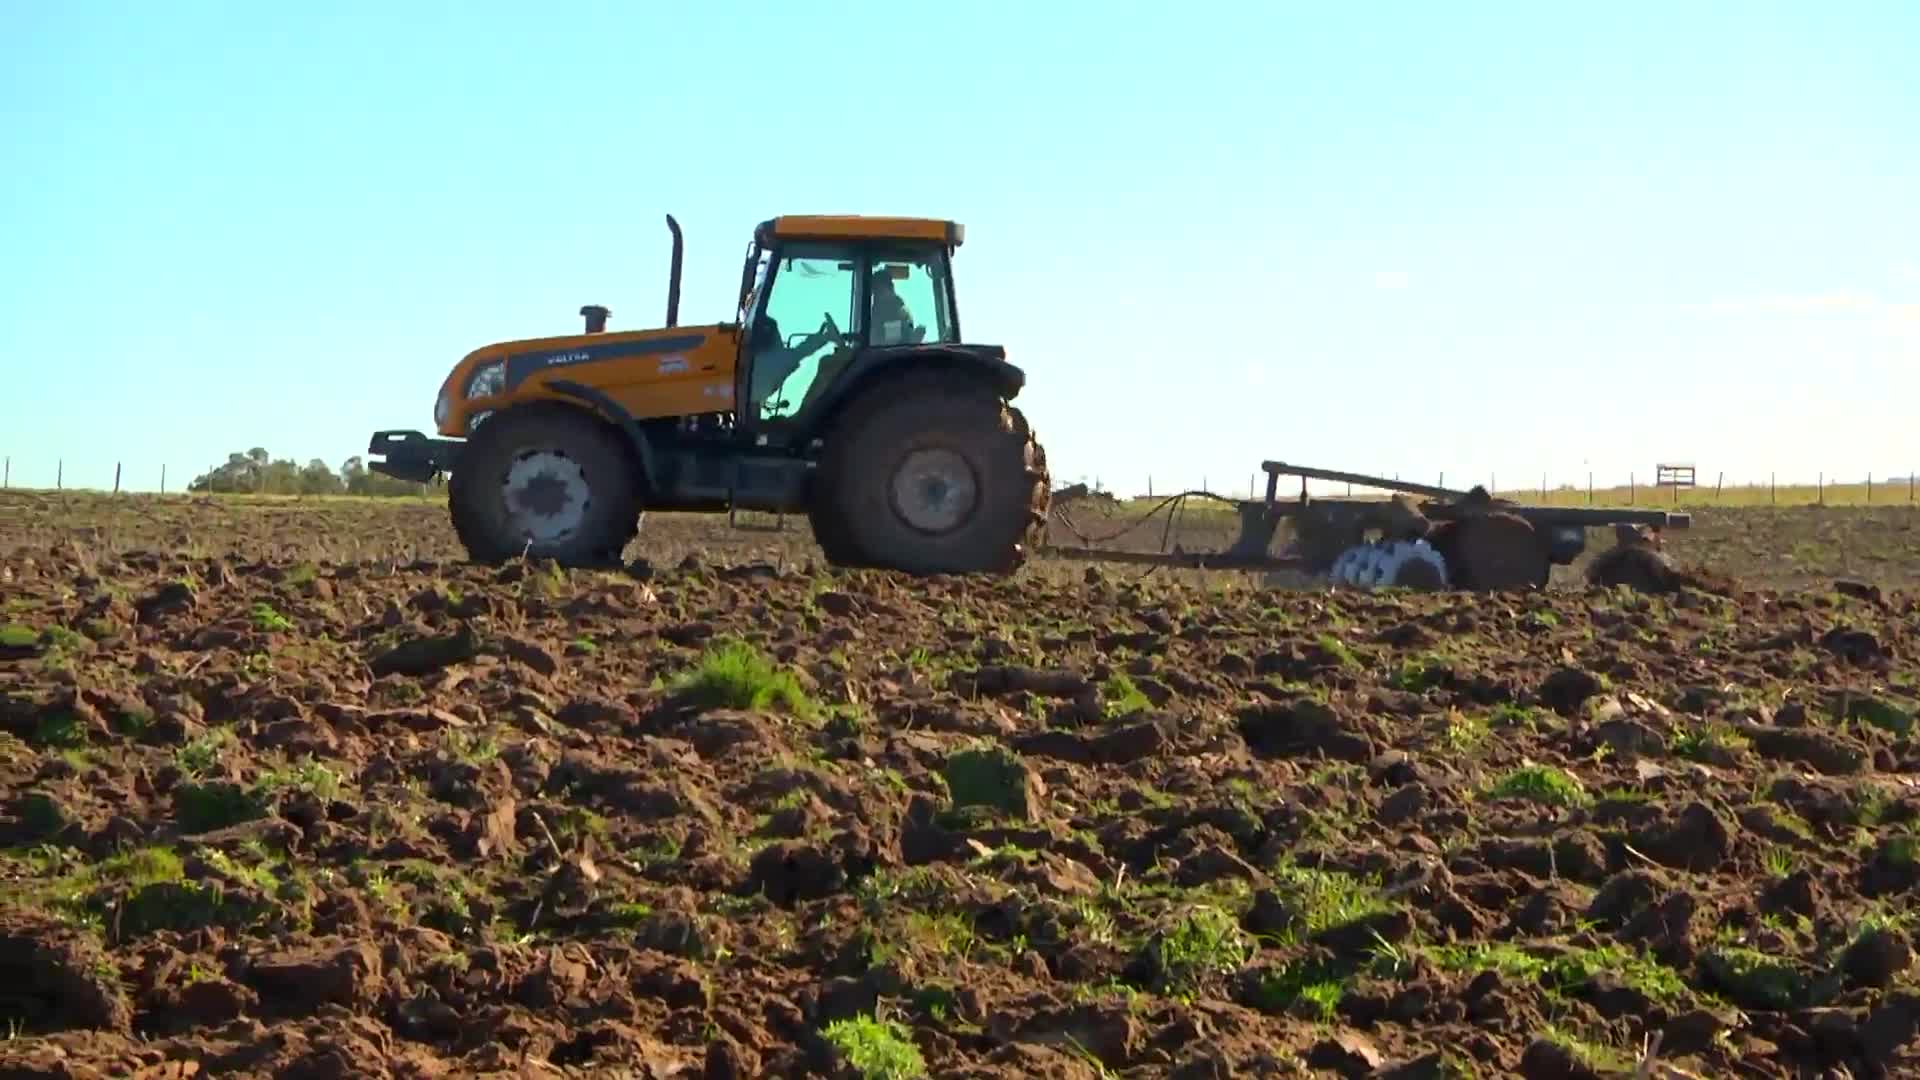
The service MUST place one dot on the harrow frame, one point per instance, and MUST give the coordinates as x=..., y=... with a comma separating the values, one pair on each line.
x=1468, y=527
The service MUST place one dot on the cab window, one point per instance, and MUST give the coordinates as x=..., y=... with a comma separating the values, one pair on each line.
x=807, y=316
x=907, y=299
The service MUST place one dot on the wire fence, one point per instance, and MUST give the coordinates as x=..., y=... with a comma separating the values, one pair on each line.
x=1664, y=485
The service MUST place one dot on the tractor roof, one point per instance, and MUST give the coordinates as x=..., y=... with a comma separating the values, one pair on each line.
x=857, y=227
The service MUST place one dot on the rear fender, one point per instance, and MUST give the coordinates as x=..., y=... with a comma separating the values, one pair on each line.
x=878, y=366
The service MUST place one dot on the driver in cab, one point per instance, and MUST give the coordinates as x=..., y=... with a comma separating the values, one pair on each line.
x=775, y=360
x=892, y=322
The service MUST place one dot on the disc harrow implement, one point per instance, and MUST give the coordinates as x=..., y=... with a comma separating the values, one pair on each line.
x=1420, y=537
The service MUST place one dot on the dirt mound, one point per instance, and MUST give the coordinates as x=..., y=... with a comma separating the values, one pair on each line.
x=1638, y=561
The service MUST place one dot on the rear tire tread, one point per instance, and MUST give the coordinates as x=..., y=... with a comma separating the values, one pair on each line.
x=856, y=529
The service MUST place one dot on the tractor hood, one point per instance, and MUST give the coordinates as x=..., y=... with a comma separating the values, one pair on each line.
x=490, y=376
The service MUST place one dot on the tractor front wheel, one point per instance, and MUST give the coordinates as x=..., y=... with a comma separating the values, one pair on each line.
x=931, y=473
x=548, y=482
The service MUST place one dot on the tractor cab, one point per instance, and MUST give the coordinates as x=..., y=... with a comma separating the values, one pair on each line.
x=818, y=294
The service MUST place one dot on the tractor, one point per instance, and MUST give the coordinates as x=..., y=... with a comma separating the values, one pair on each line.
x=842, y=389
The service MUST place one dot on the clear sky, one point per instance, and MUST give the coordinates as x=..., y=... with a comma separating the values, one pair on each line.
x=1482, y=237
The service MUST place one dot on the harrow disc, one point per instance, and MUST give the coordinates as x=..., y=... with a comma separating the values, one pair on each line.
x=1412, y=564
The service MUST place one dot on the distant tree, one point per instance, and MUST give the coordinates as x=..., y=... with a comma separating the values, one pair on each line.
x=318, y=479
x=257, y=472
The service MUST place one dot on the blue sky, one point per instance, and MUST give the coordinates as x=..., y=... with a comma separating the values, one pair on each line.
x=1399, y=237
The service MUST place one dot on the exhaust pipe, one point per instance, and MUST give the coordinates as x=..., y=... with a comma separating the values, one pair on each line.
x=596, y=318
x=673, y=278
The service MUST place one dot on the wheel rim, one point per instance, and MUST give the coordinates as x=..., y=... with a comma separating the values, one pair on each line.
x=934, y=490
x=546, y=496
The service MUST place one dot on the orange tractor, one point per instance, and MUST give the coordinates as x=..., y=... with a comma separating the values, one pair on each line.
x=842, y=389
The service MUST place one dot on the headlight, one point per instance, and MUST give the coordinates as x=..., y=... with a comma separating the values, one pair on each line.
x=442, y=406
x=489, y=380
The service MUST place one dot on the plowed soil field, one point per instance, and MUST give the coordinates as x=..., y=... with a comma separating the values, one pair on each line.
x=288, y=790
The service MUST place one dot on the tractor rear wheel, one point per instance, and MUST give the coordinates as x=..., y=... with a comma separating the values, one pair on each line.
x=548, y=482
x=931, y=473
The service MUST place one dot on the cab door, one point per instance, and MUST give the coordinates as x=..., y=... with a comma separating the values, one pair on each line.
x=805, y=310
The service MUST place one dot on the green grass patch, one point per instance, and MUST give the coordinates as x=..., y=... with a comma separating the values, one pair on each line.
x=1464, y=733
x=61, y=639
x=1509, y=715
x=1311, y=986
x=1339, y=650
x=1205, y=941
x=60, y=731
x=736, y=676
x=17, y=636
x=1874, y=712
x=1707, y=741
x=1420, y=674
x=1754, y=979
x=1596, y=1057
x=876, y=1049
x=1320, y=900
x=992, y=777
x=1541, y=784
x=308, y=777
x=1567, y=971
x=1121, y=697
x=201, y=754
x=136, y=892
x=267, y=620
x=205, y=807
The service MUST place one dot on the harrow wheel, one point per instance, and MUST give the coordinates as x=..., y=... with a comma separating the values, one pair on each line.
x=1406, y=564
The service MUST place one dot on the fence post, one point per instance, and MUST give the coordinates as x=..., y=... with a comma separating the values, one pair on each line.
x=1443, y=479
x=1718, y=482
x=163, y=479
x=60, y=475
x=1820, y=492
x=1589, y=487
x=116, y=478
x=1869, y=489
x=1633, y=487
x=6, y=477
x=1543, y=487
